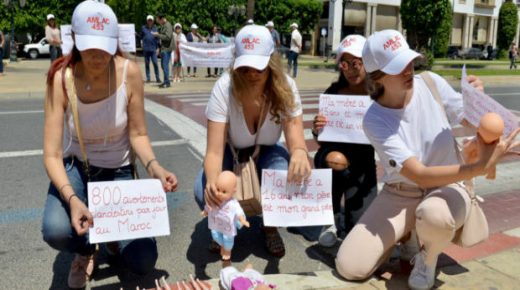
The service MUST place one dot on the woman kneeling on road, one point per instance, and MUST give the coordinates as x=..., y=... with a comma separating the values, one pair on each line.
x=108, y=95
x=423, y=189
x=255, y=94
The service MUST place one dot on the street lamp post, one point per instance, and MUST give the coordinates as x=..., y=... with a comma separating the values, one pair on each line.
x=236, y=11
x=12, y=43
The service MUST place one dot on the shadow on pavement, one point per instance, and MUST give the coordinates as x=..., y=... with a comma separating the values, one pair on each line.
x=249, y=241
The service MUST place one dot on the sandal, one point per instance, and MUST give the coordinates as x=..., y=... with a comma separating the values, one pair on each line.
x=274, y=242
x=214, y=247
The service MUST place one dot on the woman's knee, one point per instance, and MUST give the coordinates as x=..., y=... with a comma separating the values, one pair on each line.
x=353, y=270
x=434, y=212
x=141, y=255
x=58, y=235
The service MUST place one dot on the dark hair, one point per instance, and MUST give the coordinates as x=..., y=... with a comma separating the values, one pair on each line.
x=341, y=83
x=160, y=15
x=375, y=89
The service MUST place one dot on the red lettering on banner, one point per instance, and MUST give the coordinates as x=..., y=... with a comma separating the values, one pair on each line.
x=393, y=43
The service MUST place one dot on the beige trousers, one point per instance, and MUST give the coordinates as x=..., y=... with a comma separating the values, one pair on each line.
x=435, y=214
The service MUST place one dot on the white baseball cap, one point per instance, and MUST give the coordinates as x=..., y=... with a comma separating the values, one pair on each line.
x=149, y=17
x=95, y=27
x=250, y=21
x=294, y=25
x=177, y=25
x=269, y=24
x=50, y=16
x=352, y=44
x=254, y=46
x=194, y=26
x=387, y=51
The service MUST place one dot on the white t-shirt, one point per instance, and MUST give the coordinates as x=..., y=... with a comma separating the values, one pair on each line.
x=419, y=129
x=296, y=41
x=223, y=219
x=224, y=108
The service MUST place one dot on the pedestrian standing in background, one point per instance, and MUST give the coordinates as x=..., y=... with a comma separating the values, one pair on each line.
x=2, y=43
x=213, y=37
x=294, y=51
x=178, y=38
x=274, y=34
x=194, y=36
x=513, y=53
x=165, y=34
x=53, y=37
x=150, y=48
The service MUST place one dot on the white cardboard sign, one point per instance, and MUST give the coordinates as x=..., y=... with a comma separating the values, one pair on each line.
x=207, y=54
x=126, y=38
x=305, y=204
x=344, y=118
x=477, y=103
x=128, y=209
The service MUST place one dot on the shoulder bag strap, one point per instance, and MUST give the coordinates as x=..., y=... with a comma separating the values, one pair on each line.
x=435, y=92
x=73, y=99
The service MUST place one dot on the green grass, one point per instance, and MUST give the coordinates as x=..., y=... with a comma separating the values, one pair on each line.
x=478, y=72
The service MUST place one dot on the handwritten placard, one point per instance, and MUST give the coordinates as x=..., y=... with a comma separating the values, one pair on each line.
x=289, y=204
x=344, y=115
x=127, y=209
x=477, y=103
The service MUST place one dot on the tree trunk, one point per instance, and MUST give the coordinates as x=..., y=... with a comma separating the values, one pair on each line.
x=250, y=9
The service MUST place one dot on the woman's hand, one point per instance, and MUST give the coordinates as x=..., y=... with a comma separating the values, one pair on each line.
x=476, y=82
x=490, y=154
x=168, y=179
x=299, y=167
x=319, y=122
x=211, y=195
x=80, y=218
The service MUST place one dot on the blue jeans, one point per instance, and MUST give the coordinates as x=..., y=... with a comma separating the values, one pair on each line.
x=153, y=56
x=165, y=65
x=1, y=60
x=270, y=157
x=55, y=52
x=138, y=255
x=293, y=62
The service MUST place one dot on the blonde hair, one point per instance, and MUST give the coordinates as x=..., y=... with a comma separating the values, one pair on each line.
x=279, y=94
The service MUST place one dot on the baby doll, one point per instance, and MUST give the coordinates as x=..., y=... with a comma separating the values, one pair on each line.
x=232, y=279
x=224, y=220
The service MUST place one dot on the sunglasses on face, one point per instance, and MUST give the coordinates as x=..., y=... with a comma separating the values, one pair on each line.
x=354, y=63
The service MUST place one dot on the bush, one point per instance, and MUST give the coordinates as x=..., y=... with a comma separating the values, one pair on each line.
x=507, y=24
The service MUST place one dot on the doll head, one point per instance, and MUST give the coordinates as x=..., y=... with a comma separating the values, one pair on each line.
x=491, y=127
x=226, y=185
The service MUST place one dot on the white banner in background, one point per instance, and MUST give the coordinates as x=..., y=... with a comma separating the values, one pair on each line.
x=126, y=38
x=207, y=54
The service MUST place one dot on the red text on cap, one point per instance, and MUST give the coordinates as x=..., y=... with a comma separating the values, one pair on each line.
x=98, y=23
x=348, y=42
x=249, y=43
x=393, y=43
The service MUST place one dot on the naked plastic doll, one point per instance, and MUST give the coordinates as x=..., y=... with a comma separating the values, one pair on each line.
x=224, y=220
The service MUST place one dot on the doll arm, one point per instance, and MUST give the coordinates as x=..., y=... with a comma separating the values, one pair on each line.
x=243, y=221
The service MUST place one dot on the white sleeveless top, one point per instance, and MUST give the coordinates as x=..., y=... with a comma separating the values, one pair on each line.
x=104, y=125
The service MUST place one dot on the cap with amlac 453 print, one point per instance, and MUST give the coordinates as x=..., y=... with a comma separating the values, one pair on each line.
x=387, y=51
x=95, y=27
x=254, y=46
x=352, y=44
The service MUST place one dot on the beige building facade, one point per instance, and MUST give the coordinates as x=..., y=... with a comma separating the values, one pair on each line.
x=475, y=22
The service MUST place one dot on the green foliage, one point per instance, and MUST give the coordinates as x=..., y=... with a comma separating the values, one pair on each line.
x=441, y=39
x=304, y=12
x=507, y=24
x=421, y=20
x=207, y=13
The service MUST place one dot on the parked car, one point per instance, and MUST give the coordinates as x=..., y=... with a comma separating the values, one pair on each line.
x=473, y=53
x=35, y=50
x=453, y=52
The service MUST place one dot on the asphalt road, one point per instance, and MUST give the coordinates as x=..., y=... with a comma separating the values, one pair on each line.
x=26, y=262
